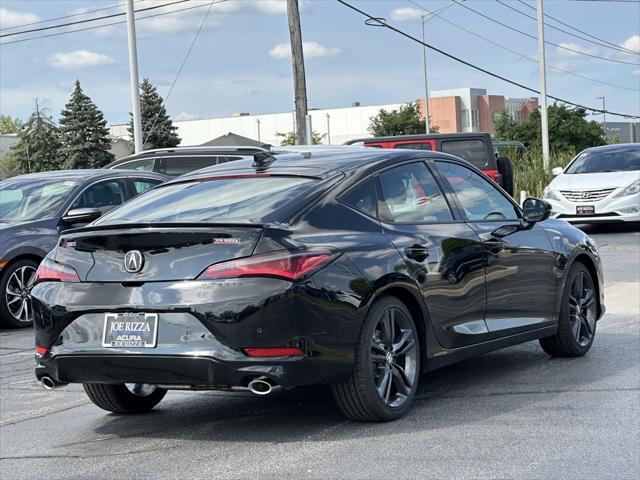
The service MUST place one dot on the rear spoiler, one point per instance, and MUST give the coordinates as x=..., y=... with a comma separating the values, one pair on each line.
x=150, y=225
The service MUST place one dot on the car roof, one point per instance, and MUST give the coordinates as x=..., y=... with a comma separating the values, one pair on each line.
x=422, y=136
x=314, y=161
x=86, y=174
x=614, y=147
x=187, y=151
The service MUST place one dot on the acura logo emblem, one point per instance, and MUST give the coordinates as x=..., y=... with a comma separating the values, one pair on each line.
x=133, y=261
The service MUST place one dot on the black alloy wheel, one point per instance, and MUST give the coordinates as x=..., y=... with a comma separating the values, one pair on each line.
x=15, y=286
x=578, y=314
x=387, y=365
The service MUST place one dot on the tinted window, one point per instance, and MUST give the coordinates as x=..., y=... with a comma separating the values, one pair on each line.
x=101, y=195
x=27, y=199
x=414, y=146
x=227, y=159
x=472, y=151
x=479, y=199
x=251, y=198
x=180, y=165
x=362, y=197
x=144, y=165
x=142, y=185
x=606, y=161
x=410, y=194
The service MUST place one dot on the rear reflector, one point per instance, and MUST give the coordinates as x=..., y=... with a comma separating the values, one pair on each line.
x=273, y=352
x=40, y=350
x=51, y=271
x=289, y=265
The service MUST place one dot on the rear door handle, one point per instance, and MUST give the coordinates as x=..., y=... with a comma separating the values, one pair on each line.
x=417, y=252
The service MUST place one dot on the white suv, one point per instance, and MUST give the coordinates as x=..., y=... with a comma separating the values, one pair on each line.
x=601, y=184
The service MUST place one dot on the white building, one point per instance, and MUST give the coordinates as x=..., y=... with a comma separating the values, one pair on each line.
x=337, y=125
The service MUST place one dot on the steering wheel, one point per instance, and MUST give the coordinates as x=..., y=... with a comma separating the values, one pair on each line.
x=495, y=216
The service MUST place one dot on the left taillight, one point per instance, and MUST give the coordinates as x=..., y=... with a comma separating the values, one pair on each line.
x=52, y=271
x=288, y=265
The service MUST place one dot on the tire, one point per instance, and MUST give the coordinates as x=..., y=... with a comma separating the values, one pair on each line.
x=577, y=319
x=505, y=169
x=122, y=399
x=15, y=302
x=358, y=398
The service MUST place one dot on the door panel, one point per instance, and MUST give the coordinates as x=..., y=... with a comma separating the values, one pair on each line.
x=445, y=257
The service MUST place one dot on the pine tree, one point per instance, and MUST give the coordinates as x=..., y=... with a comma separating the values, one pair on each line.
x=85, y=136
x=38, y=148
x=157, y=129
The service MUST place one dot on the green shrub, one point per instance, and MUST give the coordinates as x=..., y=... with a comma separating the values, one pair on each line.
x=530, y=175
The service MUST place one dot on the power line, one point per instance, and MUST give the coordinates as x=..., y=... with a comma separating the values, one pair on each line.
x=580, y=31
x=93, y=19
x=383, y=23
x=102, y=25
x=184, y=61
x=611, y=46
x=554, y=67
x=62, y=17
x=535, y=38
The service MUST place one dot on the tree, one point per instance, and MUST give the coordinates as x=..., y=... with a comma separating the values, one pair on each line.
x=157, y=128
x=38, y=148
x=290, y=138
x=9, y=125
x=569, y=130
x=405, y=121
x=85, y=136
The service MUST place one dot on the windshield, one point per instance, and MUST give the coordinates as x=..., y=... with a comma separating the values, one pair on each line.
x=251, y=198
x=606, y=161
x=23, y=200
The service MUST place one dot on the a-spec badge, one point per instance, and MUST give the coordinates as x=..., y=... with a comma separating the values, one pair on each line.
x=133, y=261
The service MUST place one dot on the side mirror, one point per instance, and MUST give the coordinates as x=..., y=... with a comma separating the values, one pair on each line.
x=535, y=210
x=81, y=215
x=557, y=171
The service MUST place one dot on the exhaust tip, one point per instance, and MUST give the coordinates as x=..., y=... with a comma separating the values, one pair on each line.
x=260, y=386
x=48, y=383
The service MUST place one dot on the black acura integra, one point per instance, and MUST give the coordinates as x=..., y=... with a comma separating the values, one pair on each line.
x=350, y=267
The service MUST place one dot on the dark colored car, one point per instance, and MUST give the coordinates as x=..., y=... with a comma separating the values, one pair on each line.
x=180, y=160
x=476, y=148
x=355, y=268
x=35, y=208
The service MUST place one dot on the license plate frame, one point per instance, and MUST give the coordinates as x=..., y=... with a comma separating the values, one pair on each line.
x=137, y=330
x=585, y=210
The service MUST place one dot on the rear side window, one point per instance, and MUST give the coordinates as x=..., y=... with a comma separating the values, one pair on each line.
x=414, y=146
x=176, y=166
x=254, y=198
x=362, y=197
x=141, y=185
x=144, y=165
x=473, y=151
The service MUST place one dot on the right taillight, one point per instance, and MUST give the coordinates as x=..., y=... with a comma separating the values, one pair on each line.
x=52, y=271
x=288, y=265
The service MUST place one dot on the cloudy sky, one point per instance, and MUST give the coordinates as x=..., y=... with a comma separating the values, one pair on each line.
x=241, y=60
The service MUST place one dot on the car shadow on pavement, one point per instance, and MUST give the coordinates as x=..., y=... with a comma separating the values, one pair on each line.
x=471, y=391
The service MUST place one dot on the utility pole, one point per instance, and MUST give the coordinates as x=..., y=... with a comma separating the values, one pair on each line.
x=426, y=88
x=135, y=83
x=299, y=83
x=543, y=87
x=604, y=116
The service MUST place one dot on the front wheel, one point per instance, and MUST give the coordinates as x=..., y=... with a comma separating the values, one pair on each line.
x=578, y=314
x=124, y=398
x=387, y=365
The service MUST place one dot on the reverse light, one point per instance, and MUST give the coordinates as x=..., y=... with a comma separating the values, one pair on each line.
x=630, y=190
x=273, y=352
x=289, y=265
x=52, y=271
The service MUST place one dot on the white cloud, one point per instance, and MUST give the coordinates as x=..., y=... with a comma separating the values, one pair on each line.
x=184, y=116
x=78, y=59
x=632, y=43
x=577, y=49
x=406, y=13
x=310, y=49
x=636, y=72
x=10, y=19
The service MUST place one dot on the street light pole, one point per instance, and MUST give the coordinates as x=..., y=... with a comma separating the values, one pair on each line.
x=543, y=87
x=604, y=116
x=135, y=83
x=426, y=87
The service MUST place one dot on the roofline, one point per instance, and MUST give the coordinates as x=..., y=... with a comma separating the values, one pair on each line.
x=419, y=136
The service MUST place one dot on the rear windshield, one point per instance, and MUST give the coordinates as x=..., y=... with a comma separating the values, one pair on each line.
x=606, y=161
x=473, y=151
x=255, y=198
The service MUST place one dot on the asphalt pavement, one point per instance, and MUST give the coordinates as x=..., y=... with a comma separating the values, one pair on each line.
x=515, y=413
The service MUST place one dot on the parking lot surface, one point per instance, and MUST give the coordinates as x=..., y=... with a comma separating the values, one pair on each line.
x=514, y=413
